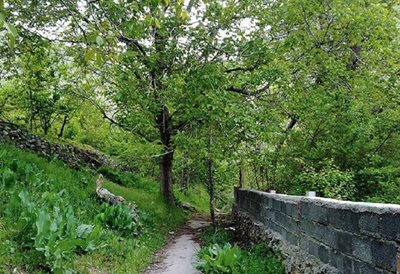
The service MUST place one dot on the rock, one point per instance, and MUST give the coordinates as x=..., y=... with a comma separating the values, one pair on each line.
x=188, y=207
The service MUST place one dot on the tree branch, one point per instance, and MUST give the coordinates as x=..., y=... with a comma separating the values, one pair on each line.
x=247, y=92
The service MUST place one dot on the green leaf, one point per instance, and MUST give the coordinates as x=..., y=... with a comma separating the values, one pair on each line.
x=157, y=23
x=99, y=40
x=99, y=58
x=84, y=230
x=90, y=55
x=165, y=2
x=11, y=29
x=184, y=15
x=2, y=19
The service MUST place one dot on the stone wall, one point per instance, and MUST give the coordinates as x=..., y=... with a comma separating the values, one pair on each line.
x=69, y=154
x=317, y=235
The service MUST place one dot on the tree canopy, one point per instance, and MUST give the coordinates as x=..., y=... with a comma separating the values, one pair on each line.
x=294, y=95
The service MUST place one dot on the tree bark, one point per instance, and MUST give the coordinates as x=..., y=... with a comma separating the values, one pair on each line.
x=166, y=180
x=65, y=121
x=211, y=186
x=241, y=176
x=166, y=177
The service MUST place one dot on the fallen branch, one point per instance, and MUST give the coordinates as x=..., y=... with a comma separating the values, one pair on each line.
x=107, y=196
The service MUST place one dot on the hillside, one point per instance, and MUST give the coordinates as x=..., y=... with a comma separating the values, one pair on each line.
x=23, y=171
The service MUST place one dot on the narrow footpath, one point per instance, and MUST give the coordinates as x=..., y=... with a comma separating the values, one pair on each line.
x=180, y=253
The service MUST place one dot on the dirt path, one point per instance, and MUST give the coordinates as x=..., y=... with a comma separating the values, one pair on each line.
x=179, y=255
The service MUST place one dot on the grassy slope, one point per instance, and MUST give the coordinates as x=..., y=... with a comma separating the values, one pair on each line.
x=119, y=255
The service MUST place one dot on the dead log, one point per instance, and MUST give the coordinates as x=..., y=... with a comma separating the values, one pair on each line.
x=112, y=199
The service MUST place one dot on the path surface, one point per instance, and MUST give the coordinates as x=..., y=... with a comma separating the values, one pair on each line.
x=178, y=256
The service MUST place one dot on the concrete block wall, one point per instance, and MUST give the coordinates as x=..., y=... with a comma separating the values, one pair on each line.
x=349, y=237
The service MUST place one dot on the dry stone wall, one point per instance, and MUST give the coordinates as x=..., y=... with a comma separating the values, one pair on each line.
x=317, y=235
x=69, y=154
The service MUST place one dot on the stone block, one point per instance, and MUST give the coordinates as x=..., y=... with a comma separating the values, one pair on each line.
x=369, y=223
x=314, y=212
x=384, y=254
x=344, y=242
x=362, y=249
x=389, y=225
x=344, y=219
x=293, y=238
x=292, y=210
x=363, y=268
x=309, y=245
x=324, y=253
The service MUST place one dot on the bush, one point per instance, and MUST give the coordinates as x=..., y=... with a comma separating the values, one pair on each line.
x=329, y=182
x=253, y=259
x=217, y=259
x=120, y=218
x=49, y=230
x=261, y=259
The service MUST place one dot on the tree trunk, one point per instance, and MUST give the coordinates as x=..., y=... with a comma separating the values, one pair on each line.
x=65, y=121
x=211, y=187
x=241, y=176
x=164, y=121
x=166, y=177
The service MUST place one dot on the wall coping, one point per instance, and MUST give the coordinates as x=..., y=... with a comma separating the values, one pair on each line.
x=378, y=208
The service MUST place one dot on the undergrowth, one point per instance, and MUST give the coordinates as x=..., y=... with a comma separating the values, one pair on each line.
x=58, y=219
x=220, y=254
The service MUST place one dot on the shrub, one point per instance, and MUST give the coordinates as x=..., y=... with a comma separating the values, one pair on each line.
x=219, y=259
x=120, y=218
x=9, y=178
x=49, y=229
x=330, y=182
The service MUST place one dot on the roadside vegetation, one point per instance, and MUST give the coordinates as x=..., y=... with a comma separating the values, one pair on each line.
x=221, y=254
x=51, y=219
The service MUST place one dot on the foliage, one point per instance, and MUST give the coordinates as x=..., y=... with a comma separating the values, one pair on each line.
x=280, y=86
x=329, y=182
x=261, y=259
x=37, y=175
x=119, y=217
x=253, y=259
x=220, y=259
x=49, y=226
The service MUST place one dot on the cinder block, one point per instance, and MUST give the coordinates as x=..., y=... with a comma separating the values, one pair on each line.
x=292, y=210
x=283, y=207
x=336, y=259
x=384, y=254
x=389, y=225
x=276, y=227
x=277, y=205
x=344, y=219
x=309, y=245
x=324, y=253
x=344, y=242
x=362, y=249
x=319, y=232
x=314, y=212
x=293, y=238
x=369, y=223
x=363, y=268
x=307, y=227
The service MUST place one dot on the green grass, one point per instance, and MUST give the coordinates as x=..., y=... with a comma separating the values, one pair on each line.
x=117, y=255
x=254, y=258
x=196, y=195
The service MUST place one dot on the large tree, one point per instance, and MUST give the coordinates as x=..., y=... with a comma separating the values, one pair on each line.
x=143, y=57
